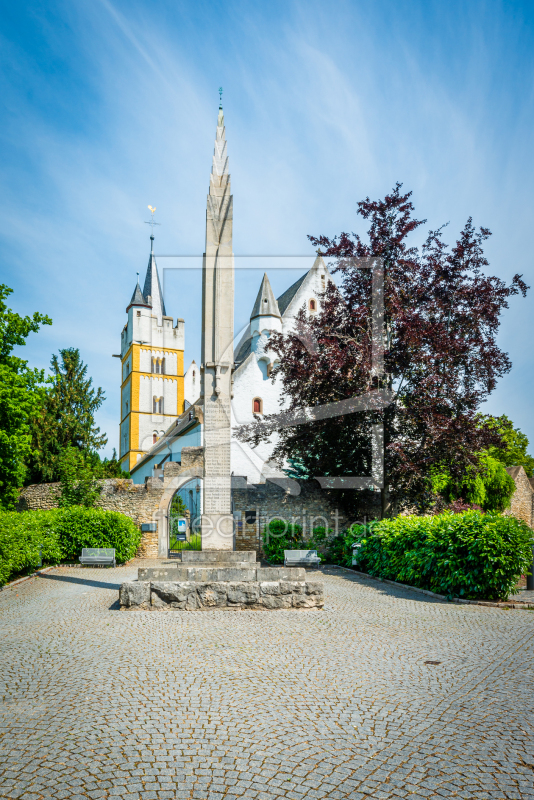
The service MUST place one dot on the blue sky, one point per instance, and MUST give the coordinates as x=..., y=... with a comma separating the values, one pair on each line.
x=110, y=106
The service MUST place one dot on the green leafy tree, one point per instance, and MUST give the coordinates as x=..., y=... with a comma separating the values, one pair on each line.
x=20, y=395
x=487, y=485
x=66, y=418
x=111, y=467
x=79, y=487
x=514, y=452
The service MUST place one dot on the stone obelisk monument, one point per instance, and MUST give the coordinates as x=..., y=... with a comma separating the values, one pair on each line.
x=217, y=351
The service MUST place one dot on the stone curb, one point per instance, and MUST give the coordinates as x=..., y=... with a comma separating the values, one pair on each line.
x=28, y=577
x=517, y=604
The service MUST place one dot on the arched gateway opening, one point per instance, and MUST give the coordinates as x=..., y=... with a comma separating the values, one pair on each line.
x=185, y=502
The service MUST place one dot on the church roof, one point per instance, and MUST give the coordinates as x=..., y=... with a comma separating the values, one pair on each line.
x=137, y=297
x=243, y=351
x=265, y=305
x=152, y=288
x=285, y=299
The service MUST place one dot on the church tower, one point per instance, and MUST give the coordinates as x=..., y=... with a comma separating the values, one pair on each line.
x=152, y=360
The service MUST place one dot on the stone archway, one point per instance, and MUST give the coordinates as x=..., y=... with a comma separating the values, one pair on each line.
x=171, y=484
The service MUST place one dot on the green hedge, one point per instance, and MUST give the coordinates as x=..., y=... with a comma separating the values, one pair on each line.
x=280, y=535
x=62, y=533
x=471, y=555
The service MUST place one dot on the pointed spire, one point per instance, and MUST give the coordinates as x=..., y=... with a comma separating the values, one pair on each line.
x=265, y=305
x=152, y=288
x=220, y=204
x=137, y=297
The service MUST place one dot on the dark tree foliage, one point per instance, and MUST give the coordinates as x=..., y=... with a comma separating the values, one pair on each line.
x=442, y=315
x=66, y=418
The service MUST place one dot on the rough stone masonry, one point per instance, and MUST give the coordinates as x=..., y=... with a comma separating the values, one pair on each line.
x=220, y=579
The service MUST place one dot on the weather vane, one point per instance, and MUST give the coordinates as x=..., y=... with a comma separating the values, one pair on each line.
x=152, y=223
x=220, y=96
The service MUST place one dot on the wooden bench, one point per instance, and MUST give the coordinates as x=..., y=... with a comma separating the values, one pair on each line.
x=301, y=558
x=98, y=556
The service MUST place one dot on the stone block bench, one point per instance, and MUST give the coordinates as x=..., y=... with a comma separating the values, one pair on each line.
x=196, y=595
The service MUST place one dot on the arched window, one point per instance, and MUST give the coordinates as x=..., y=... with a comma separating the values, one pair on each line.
x=257, y=405
x=162, y=366
x=154, y=437
x=313, y=305
x=157, y=405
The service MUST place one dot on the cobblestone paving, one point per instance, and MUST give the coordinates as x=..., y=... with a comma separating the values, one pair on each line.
x=339, y=703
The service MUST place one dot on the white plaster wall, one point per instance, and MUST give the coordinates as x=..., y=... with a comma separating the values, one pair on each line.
x=144, y=329
x=127, y=367
x=251, y=381
x=146, y=356
x=125, y=436
x=192, y=383
x=159, y=386
x=150, y=424
x=259, y=324
x=311, y=288
x=126, y=405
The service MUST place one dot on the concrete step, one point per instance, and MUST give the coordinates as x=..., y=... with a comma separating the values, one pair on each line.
x=207, y=574
x=217, y=556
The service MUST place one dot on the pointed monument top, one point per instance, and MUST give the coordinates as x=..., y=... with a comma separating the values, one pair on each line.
x=265, y=305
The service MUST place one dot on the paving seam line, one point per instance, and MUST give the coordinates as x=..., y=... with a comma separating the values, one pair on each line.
x=518, y=604
x=28, y=577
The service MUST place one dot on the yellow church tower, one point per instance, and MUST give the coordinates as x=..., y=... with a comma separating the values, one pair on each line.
x=152, y=359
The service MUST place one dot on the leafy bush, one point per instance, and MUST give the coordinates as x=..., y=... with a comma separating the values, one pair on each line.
x=21, y=536
x=279, y=536
x=79, y=527
x=471, y=555
x=62, y=533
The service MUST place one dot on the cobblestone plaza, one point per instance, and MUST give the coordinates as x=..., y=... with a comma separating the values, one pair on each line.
x=333, y=703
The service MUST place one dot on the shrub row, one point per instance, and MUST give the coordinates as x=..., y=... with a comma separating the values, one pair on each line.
x=471, y=555
x=61, y=534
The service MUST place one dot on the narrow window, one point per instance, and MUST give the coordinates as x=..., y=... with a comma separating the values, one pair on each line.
x=193, y=373
x=154, y=438
x=163, y=366
x=312, y=305
x=161, y=405
x=138, y=313
x=154, y=405
x=257, y=405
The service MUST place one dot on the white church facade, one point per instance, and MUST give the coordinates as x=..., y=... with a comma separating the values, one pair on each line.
x=162, y=404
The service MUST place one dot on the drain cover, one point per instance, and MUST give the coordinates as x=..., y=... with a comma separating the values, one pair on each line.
x=432, y=662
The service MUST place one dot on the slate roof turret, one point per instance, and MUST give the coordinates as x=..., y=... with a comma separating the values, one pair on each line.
x=265, y=305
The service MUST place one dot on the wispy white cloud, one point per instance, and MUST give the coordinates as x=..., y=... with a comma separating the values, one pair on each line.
x=324, y=105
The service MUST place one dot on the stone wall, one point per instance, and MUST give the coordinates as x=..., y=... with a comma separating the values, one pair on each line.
x=521, y=505
x=137, y=501
x=263, y=502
